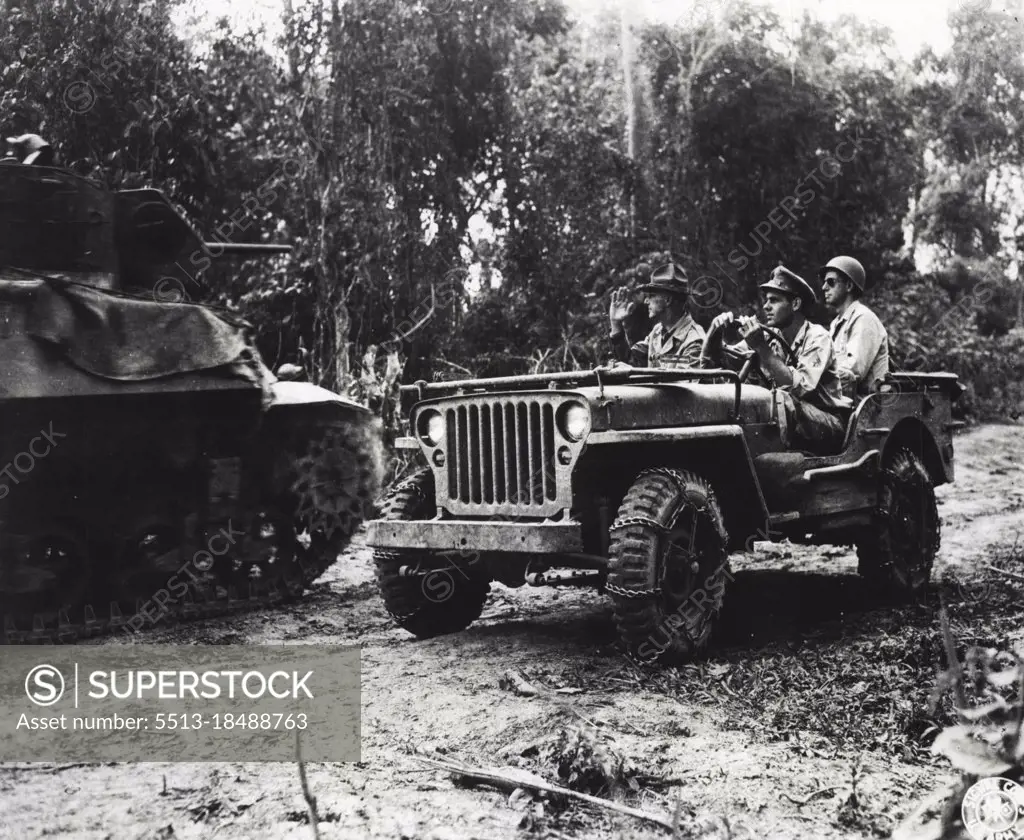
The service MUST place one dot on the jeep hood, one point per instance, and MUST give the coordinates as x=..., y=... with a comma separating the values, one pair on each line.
x=656, y=405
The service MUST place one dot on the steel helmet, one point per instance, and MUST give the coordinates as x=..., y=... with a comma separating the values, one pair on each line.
x=849, y=268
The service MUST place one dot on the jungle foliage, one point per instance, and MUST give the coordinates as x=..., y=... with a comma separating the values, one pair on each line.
x=464, y=181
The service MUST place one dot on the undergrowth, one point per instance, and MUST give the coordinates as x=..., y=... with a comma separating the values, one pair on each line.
x=868, y=687
x=986, y=741
x=865, y=684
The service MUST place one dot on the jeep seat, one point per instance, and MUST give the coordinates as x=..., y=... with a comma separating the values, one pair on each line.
x=780, y=420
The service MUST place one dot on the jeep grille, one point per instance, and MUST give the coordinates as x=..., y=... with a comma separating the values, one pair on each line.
x=501, y=457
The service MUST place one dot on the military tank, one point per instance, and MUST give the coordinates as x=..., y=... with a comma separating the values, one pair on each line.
x=153, y=469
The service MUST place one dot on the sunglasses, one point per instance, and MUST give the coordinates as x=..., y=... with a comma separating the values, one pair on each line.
x=829, y=282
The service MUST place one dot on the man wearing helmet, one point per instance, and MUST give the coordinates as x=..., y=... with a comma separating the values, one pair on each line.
x=861, y=342
x=809, y=399
x=675, y=340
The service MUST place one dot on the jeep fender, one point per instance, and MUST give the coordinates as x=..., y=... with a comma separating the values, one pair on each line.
x=919, y=439
x=717, y=453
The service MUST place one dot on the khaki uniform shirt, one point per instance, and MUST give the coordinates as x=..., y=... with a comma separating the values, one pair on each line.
x=675, y=347
x=862, y=349
x=815, y=378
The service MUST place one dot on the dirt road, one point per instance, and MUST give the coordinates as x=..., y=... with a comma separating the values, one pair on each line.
x=809, y=719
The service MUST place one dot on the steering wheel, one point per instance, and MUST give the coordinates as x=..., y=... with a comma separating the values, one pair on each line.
x=732, y=332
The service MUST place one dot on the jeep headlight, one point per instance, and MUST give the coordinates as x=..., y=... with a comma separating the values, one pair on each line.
x=430, y=426
x=574, y=420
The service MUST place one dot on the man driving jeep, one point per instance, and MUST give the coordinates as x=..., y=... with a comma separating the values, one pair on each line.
x=807, y=389
x=675, y=340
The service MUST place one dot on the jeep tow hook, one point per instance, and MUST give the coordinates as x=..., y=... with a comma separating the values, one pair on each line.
x=575, y=577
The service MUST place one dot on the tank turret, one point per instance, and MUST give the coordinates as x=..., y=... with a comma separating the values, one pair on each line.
x=53, y=221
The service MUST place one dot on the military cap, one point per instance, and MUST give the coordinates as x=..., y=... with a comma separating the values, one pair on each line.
x=670, y=278
x=784, y=280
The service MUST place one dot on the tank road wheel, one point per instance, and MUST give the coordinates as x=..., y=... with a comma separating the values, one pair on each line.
x=668, y=566
x=148, y=558
x=446, y=596
x=897, y=555
x=46, y=579
x=267, y=561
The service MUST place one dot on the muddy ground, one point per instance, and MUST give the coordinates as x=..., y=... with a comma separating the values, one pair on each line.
x=809, y=719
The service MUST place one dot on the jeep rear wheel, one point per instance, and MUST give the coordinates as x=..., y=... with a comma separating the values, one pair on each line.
x=668, y=566
x=897, y=555
x=443, y=594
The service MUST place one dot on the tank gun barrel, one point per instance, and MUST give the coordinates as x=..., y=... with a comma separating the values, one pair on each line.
x=247, y=248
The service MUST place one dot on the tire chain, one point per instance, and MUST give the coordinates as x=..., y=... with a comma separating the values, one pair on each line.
x=881, y=513
x=626, y=521
x=631, y=593
x=915, y=481
x=396, y=556
x=677, y=479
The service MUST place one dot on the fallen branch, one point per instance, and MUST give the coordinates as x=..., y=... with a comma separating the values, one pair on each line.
x=459, y=368
x=518, y=683
x=583, y=717
x=314, y=818
x=528, y=781
x=801, y=802
x=41, y=767
x=1006, y=572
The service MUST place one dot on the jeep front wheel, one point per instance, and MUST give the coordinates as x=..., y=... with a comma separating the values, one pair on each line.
x=668, y=566
x=897, y=555
x=440, y=592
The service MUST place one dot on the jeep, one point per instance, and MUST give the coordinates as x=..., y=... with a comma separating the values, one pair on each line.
x=641, y=482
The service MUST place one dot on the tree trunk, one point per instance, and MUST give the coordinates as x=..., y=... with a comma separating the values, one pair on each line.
x=1020, y=294
x=630, y=101
x=627, y=73
x=294, y=78
x=342, y=324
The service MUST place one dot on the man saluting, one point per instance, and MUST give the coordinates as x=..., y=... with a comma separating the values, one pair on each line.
x=675, y=340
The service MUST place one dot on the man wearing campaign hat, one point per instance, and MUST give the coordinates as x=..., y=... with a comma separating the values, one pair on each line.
x=808, y=388
x=676, y=339
x=861, y=342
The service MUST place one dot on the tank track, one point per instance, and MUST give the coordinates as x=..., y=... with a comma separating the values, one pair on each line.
x=331, y=470
x=195, y=605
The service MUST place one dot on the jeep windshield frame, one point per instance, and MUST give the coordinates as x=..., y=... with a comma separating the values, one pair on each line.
x=422, y=390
